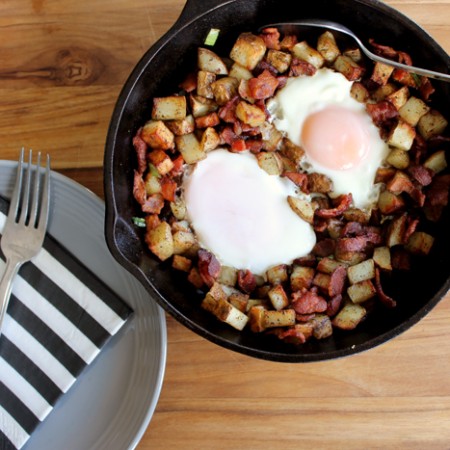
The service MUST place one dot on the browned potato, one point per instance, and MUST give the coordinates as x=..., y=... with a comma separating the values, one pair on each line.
x=204, y=82
x=398, y=158
x=303, y=208
x=278, y=297
x=208, y=61
x=326, y=45
x=280, y=60
x=201, y=106
x=382, y=257
x=365, y=270
x=160, y=241
x=181, y=263
x=402, y=136
x=189, y=146
x=348, y=67
x=250, y=114
x=437, y=162
x=172, y=107
x=183, y=126
x=431, y=124
x=210, y=139
x=381, y=73
x=240, y=72
x=349, y=317
x=420, y=243
x=224, y=89
x=161, y=161
x=156, y=135
x=301, y=277
x=283, y=318
x=302, y=50
x=413, y=110
x=399, y=97
x=270, y=162
x=248, y=50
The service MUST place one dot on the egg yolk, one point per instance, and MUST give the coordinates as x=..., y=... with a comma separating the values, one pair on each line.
x=336, y=138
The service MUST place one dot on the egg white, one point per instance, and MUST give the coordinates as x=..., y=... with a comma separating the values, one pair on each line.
x=305, y=95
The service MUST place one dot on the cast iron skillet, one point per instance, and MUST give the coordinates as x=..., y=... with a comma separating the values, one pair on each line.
x=159, y=72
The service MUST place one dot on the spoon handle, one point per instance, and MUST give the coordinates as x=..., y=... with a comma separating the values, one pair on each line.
x=343, y=29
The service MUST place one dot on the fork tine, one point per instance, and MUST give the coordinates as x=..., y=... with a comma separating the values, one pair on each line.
x=36, y=193
x=14, y=205
x=43, y=214
x=26, y=194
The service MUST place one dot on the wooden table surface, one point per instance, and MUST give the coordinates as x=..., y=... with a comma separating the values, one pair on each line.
x=62, y=65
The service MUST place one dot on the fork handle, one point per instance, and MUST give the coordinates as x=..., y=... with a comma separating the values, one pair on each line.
x=11, y=269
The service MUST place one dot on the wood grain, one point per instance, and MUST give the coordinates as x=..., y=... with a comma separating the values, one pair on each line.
x=62, y=65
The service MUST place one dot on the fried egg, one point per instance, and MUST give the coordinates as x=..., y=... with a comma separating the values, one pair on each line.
x=338, y=136
x=240, y=213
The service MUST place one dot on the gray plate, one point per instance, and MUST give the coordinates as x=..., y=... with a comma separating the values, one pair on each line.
x=112, y=402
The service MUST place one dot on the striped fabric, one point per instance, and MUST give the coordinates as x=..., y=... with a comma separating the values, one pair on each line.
x=59, y=317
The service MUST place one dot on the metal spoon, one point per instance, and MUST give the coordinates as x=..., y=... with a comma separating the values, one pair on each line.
x=341, y=28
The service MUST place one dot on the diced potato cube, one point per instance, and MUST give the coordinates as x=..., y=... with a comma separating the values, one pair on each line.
x=190, y=149
x=280, y=60
x=399, y=97
x=271, y=137
x=277, y=274
x=250, y=114
x=402, y=136
x=431, y=124
x=348, y=67
x=326, y=45
x=328, y=265
x=178, y=208
x=172, y=107
x=152, y=184
x=349, y=317
x=278, y=297
x=240, y=72
x=183, y=126
x=322, y=327
x=396, y=231
x=156, y=135
x=413, y=110
x=181, y=263
x=225, y=312
x=420, y=243
x=224, y=89
x=302, y=50
x=354, y=54
x=160, y=241
x=398, y=158
x=292, y=151
x=389, y=202
x=363, y=271
x=201, y=106
x=383, y=92
x=436, y=162
x=283, y=318
x=381, y=73
x=204, y=81
x=303, y=208
x=301, y=277
x=195, y=278
x=359, y=92
x=248, y=50
x=210, y=139
x=208, y=61
x=361, y=292
x=228, y=275
x=270, y=162
x=161, y=161
x=239, y=300
x=382, y=258
x=357, y=215
x=256, y=316
x=182, y=241
x=322, y=281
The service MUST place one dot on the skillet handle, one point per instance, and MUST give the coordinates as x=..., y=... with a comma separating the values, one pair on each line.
x=195, y=8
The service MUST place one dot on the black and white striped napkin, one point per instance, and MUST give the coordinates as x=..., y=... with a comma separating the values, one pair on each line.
x=59, y=317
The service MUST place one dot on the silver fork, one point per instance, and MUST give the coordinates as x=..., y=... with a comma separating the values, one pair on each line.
x=26, y=224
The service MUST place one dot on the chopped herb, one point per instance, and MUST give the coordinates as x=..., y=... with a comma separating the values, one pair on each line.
x=139, y=222
x=417, y=79
x=154, y=171
x=212, y=36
